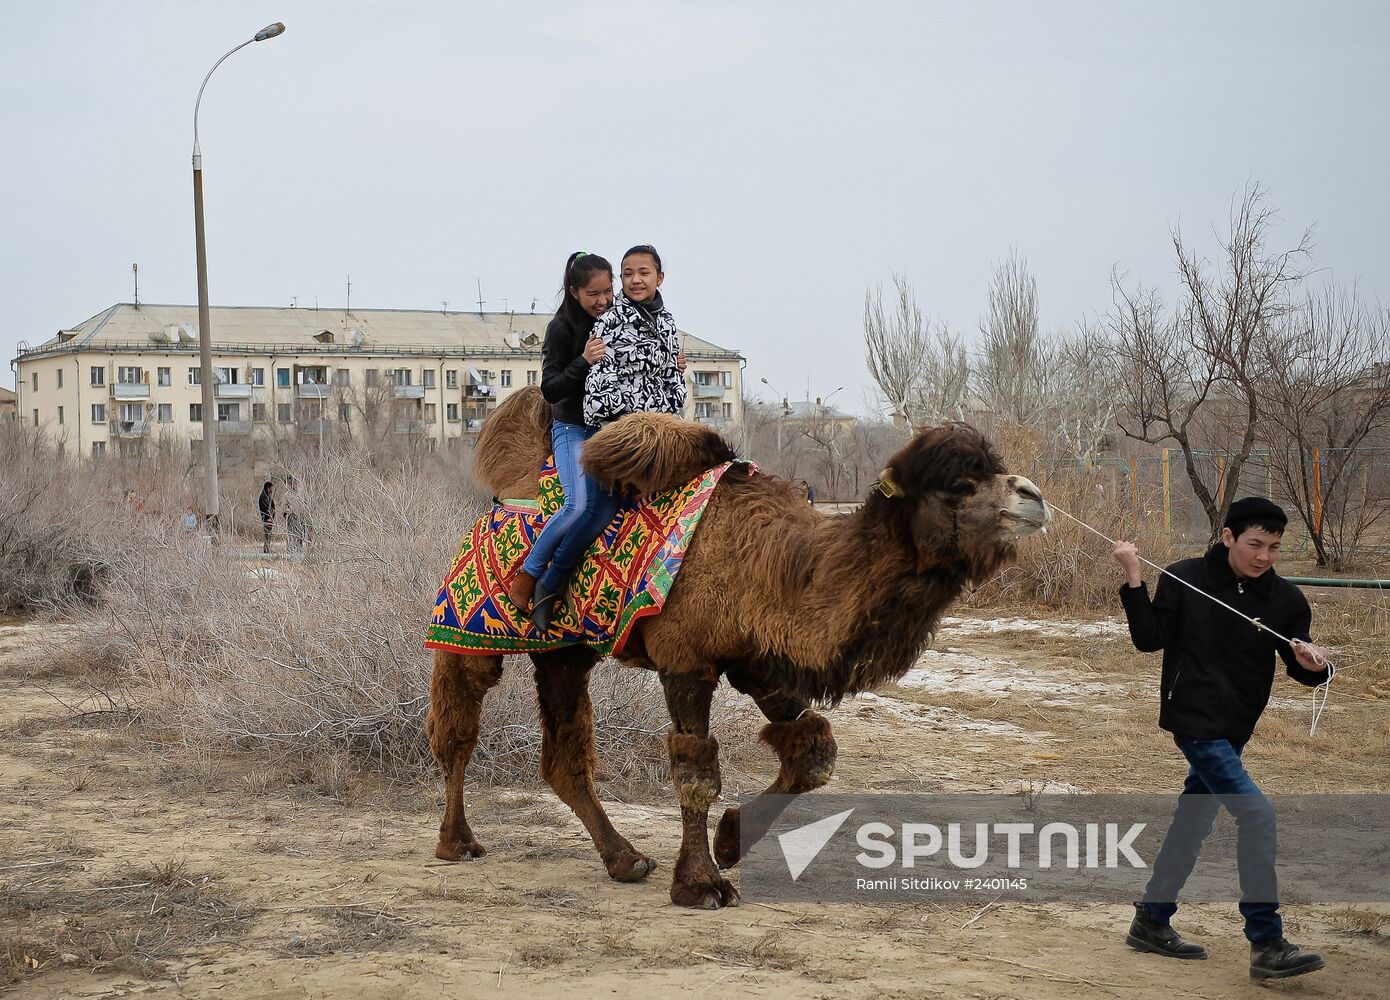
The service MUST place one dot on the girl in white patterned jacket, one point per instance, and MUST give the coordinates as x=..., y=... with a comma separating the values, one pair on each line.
x=642, y=369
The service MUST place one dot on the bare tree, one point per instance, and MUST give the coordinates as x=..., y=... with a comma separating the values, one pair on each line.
x=1085, y=391
x=922, y=373
x=1015, y=364
x=1205, y=359
x=1327, y=390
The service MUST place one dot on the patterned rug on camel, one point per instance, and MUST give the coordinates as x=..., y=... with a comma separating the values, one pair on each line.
x=626, y=574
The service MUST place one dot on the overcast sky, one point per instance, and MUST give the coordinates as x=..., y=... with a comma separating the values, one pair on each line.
x=782, y=155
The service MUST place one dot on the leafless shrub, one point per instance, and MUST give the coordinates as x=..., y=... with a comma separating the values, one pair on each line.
x=921, y=371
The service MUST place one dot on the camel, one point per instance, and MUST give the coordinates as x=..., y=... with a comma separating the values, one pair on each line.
x=809, y=609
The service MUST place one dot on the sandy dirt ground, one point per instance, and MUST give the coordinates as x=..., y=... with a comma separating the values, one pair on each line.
x=125, y=873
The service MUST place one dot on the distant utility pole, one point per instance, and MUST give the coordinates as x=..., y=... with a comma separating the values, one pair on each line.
x=480, y=296
x=348, y=308
x=136, y=269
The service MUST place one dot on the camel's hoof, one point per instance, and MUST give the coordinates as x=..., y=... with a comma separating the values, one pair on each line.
x=631, y=867
x=457, y=850
x=727, y=849
x=708, y=893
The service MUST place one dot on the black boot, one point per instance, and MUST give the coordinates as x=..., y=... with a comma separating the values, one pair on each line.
x=544, y=604
x=1278, y=959
x=1145, y=935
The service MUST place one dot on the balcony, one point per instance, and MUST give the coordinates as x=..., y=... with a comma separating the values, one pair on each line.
x=715, y=391
x=128, y=428
x=710, y=421
x=483, y=393
x=234, y=390
x=130, y=390
x=315, y=425
x=410, y=426
x=233, y=427
x=410, y=391
x=311, y=390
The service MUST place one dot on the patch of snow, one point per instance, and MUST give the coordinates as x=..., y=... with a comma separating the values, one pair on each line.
x=952, y=671
x=1108, y=627
x=937, y=716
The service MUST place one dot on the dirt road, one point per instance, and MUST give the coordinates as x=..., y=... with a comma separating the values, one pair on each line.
x=124, y=872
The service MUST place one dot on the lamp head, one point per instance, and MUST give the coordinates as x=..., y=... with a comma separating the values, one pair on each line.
x=269, y=31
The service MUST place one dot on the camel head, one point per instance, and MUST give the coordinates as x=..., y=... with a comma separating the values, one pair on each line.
x=957, y=503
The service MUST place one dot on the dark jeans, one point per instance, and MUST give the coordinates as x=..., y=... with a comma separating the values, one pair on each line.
x=1217, y=777
x=587, y=510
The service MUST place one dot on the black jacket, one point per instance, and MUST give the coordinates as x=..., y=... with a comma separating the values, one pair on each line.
x=1217, y=668
x=266, y=503
x=563, y=370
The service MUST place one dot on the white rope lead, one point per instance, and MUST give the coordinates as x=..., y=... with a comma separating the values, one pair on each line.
x=1325, y=687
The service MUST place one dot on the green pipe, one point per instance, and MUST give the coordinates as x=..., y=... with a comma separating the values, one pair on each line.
x=1325, y=581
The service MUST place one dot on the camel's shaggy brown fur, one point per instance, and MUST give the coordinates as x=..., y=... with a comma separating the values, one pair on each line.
x=792, y=607
x=647, y=452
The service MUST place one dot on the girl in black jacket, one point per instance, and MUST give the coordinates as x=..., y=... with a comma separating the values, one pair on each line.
x=570, y=348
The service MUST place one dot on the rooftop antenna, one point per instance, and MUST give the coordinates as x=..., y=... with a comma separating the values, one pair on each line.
x=445, y=304
x=348, y=308
x=533, y=304
x=135, y=269
x=294, y=301
x=480, y=296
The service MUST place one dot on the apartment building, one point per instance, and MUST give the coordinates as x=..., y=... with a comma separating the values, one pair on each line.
x=129, y=377
x=8, y=404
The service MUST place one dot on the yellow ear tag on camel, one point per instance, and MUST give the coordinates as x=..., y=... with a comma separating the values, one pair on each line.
x=888, y=488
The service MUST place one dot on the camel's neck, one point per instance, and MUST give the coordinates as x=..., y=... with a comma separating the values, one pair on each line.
x=868, y=609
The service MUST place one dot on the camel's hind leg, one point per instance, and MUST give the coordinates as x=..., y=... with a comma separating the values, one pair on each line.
x=695, y=773
x=806, y=749
x=568, y=757
x=457, y=690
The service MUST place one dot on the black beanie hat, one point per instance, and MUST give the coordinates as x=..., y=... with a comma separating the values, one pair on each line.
x=1255, y=509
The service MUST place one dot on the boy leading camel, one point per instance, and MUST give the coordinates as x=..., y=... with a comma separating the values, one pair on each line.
x=1217, y=673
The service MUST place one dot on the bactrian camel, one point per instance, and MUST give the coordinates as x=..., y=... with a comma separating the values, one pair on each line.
x=792, y=608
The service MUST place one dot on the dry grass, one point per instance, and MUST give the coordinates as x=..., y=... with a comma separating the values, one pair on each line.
x=132, y=920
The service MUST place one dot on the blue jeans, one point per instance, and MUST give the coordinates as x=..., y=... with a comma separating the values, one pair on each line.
x=1216, y=777
x=587, y=510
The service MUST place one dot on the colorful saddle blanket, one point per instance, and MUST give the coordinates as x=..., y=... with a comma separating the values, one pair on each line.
x=626, y=574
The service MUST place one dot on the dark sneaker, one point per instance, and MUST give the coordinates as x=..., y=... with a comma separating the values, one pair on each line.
x=1160, y=939
x=1279, y=959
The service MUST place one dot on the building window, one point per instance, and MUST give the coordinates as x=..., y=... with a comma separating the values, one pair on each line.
x=166, y=412
x=164, y=376
x=98, y=413
x=195, y=412
x=129, y=375
x=282, y=377
x=98, y=449
x=373, y=378
x=345, y=412
x=451, y=379
x=60, y=414
x=530, y=376
x=342, y=376
x=130, y=412
x=402, y=376
x=429, y=414
x=728, y=411
x=506, y=378
x=60, y=378
x=282, y=412
x=34, y=382
x=195, y=376
x=428, y=377
x=98, y=374
x=707, y=378
x=228, y=411
x=228, y=375
x=728, y=379
x=258, y=376
x=451, y=412
x=258, y=412
x=36, y=417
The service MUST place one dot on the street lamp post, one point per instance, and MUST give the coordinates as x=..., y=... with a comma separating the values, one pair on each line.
x=210, y=501
x=781, y=412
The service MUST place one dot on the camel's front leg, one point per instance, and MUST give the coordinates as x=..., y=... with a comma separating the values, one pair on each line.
x=805, y=749
x=457, y=690
x=695, y=774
